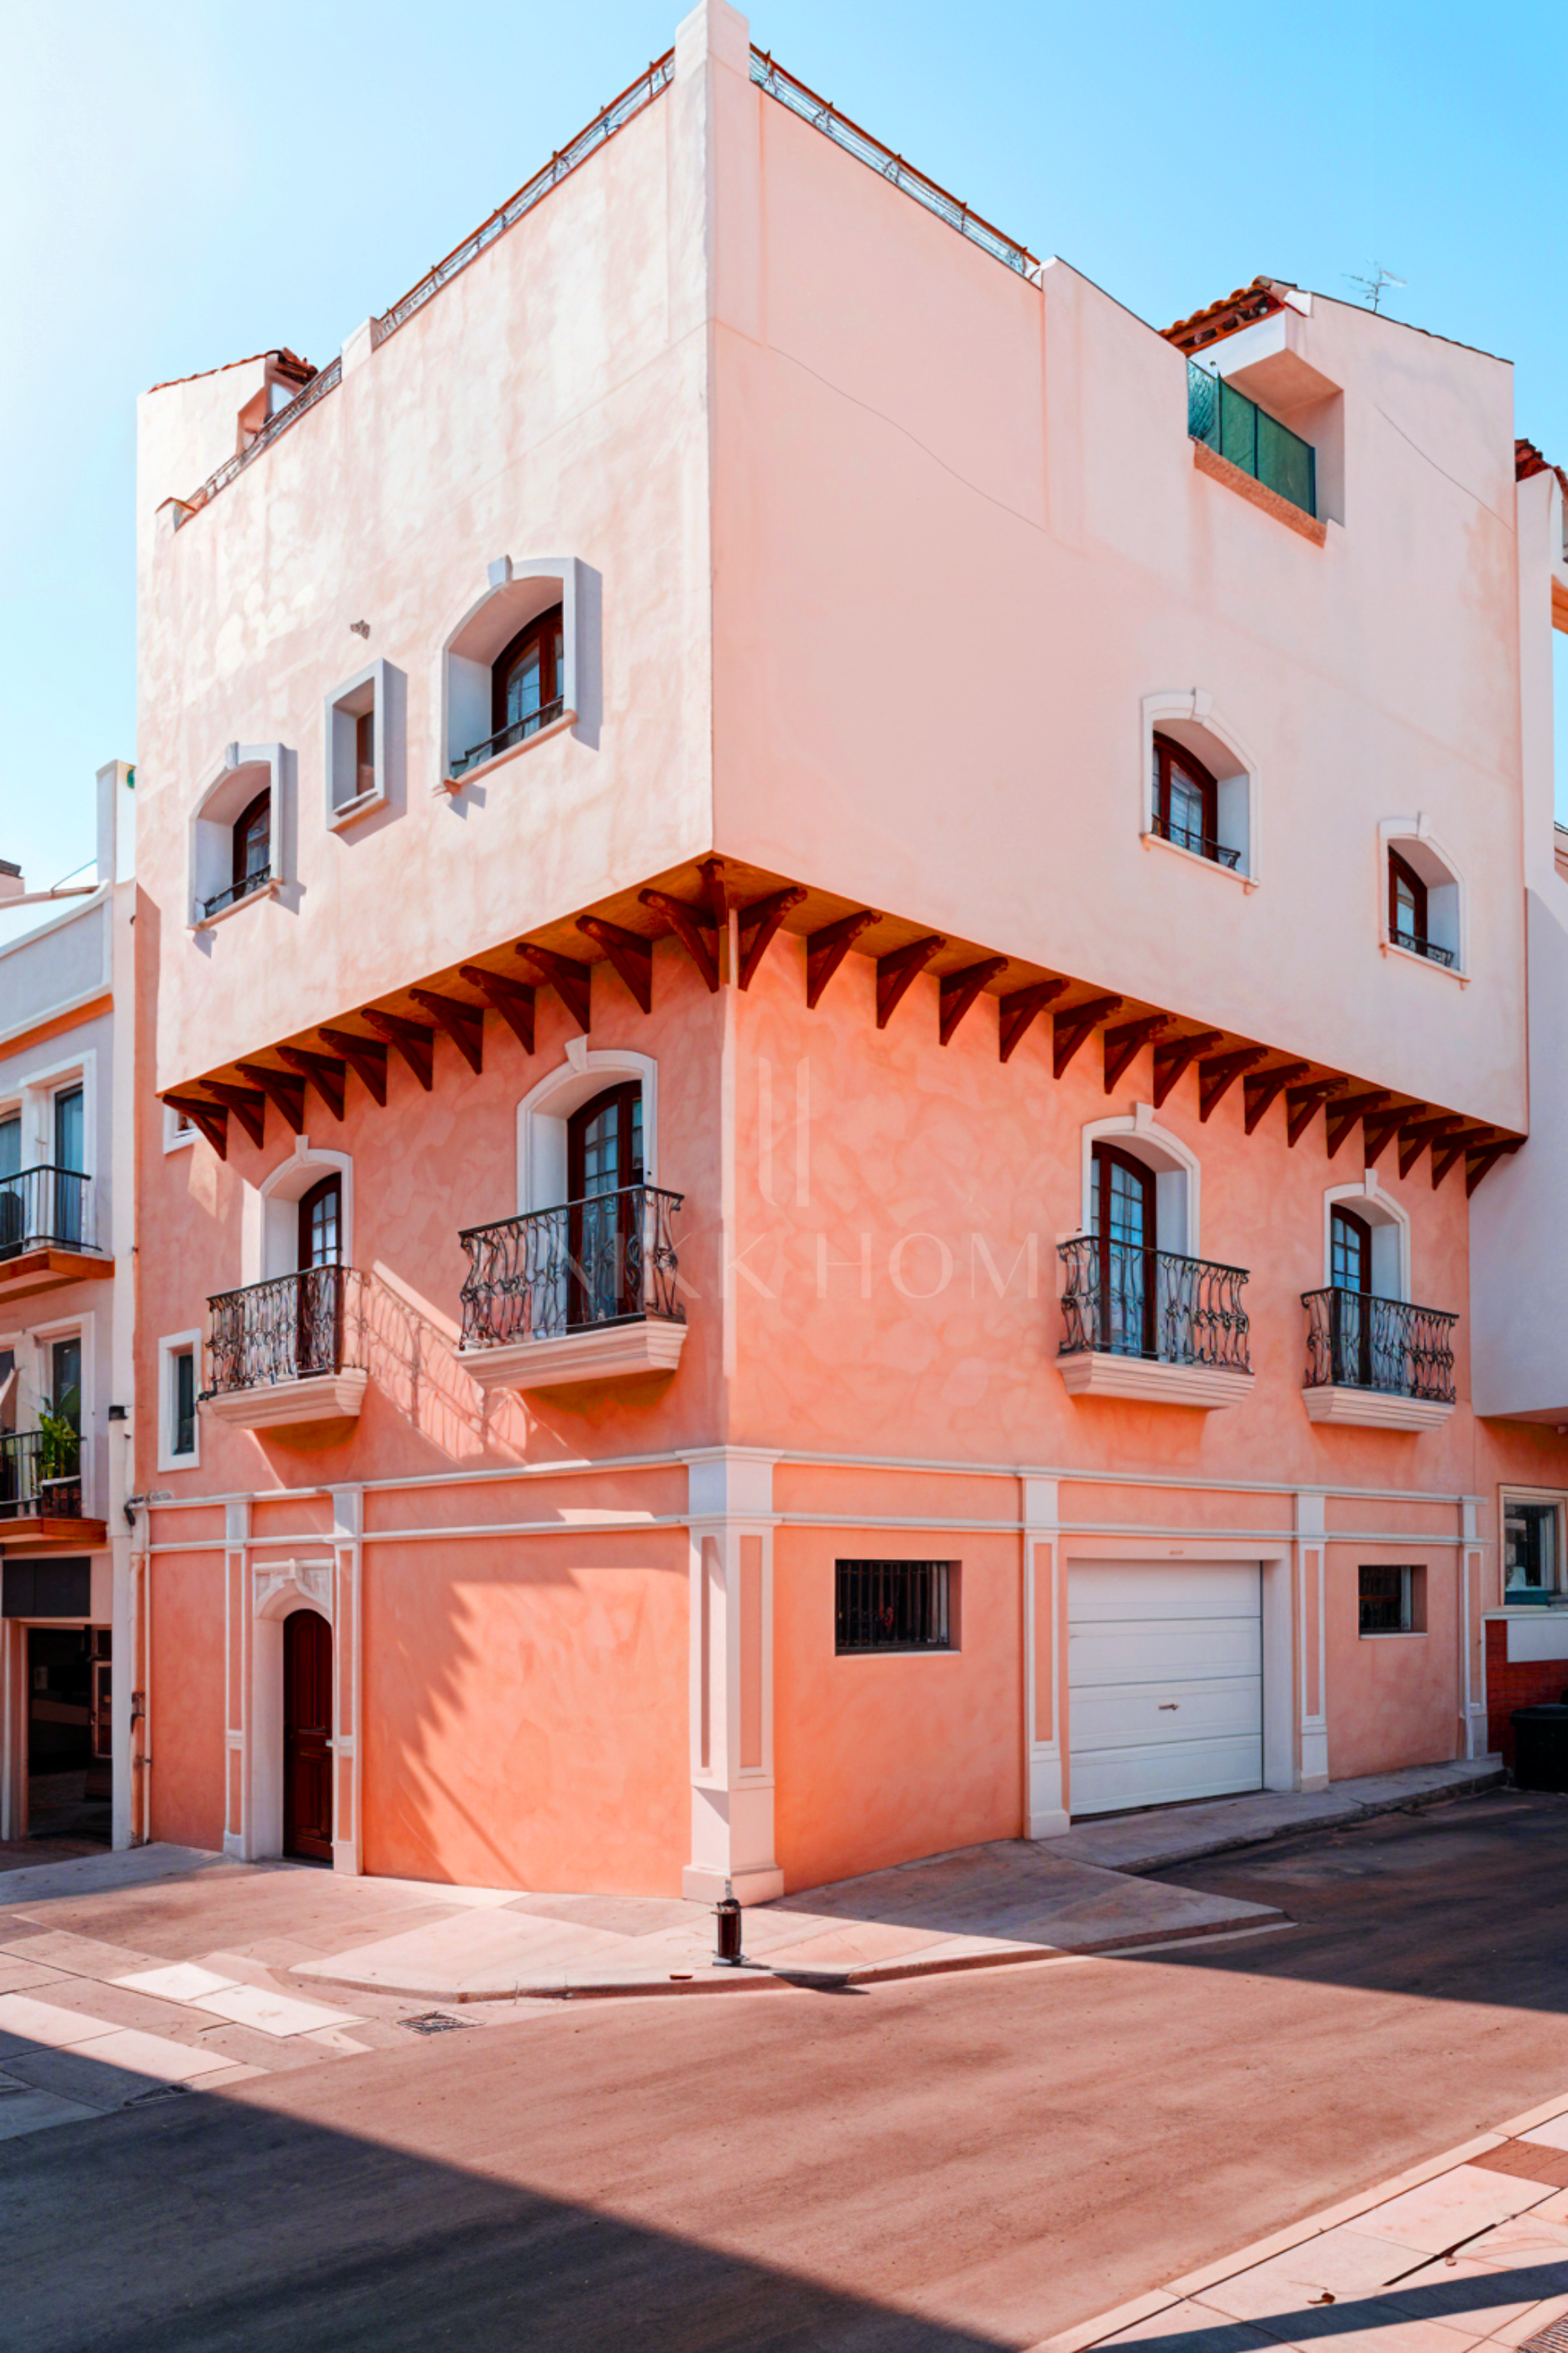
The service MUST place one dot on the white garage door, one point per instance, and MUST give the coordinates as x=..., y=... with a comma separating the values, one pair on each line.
x=1165, y=1682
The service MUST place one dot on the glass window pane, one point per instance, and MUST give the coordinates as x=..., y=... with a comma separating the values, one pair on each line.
x=523, y=686
x=10, y=1146
x=69, y=1135
x=1530, y=1547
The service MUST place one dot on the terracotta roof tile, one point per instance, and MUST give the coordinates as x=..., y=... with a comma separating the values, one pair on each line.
x=1228, y=316
x=290, y=364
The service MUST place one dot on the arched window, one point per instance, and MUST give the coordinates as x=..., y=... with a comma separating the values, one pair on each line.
x=604, y=1176
x=320, y=1223
x=252, y=847
x=525, y=683
x=319, y=1286
x=1423, y=896
x=1187, y=803
x=1123, y=1201
x=1349, y=1251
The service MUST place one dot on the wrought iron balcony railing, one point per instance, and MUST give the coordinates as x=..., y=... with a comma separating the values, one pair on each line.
x=1236, y=429
x=293, y=1328
x=1357, y=1341
x=40, y=1475
x=609, y=1259
x=517, y=733
x=1419, y=945
x=44, y=1205
x=243, y=889
x=1199, y=844
x=1127, y=1300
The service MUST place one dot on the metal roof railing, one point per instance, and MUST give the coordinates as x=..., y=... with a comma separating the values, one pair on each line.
x=826, y=117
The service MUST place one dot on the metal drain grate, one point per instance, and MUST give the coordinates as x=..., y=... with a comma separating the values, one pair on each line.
x=1554, y=2339
x=436, y=2022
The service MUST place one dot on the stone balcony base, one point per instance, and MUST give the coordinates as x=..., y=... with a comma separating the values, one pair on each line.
x=1102, y=1373
x=276, y=1404
x=603, y=1352
x=1374, y=1409
x=48, y=1266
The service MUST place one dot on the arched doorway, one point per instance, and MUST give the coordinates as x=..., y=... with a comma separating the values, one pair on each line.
x=307, y=1735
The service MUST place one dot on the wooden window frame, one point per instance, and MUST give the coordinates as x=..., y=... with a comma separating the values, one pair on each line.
x=1401, y=870
x=541, y=629
x=242, y=825
x=1167, y=752
x=625, y=1097
x=1104, y=1156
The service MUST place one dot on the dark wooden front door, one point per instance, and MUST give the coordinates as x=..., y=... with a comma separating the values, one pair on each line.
x=604, y=1169
x=307, y=1735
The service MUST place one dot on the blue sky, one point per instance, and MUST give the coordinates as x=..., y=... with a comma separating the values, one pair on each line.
x=181, y=183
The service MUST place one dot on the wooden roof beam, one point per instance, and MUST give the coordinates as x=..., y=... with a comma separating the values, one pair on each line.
x=628, y=952
x=249, y=1106
x=572, y=982
x=1415, y=1136
x=896, y=974
x=1124, y=1042
x=1019, y=1010
x=513, y=999
x=1449, y=1150
x=1379, y=1129
x=327, y=1073
x=825, y=951
x=1301, y=1104
x=414, y=1040
x=1480, y=1164
x=1264, y=1086
x=1343, y=1115
x=1074, y=1028
x=691, y=926
x=960, y=990
x=366, y=1057
x=715, y=884
x=463, y=1023
x=1174, y=1057
x=284, y=1092
x=763, y=919
x=1216, y=1079
x=210, y=1117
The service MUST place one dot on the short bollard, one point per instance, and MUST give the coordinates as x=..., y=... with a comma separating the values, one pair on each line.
x=727, y=1951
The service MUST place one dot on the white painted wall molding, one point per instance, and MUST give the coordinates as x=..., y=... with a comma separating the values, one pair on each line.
x=732, y=1521
x=1044, y=1666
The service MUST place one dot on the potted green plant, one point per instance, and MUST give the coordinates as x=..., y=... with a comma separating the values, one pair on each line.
x=59, y=1457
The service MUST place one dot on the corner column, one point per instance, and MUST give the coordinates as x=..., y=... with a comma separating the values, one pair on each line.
x=1474, y=1720
x=1045, y=1809
x=348, y=1524
x=1311, y=1641
x=236, y=1678
x=730, y=1509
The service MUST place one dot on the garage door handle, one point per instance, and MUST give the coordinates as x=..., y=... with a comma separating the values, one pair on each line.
x=1171, y=1705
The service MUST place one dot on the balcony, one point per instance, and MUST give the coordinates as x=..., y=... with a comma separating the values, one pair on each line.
x=1184, y=838
x=533, y=723
x=40, y=1490
x=1244, y=436
x=47, y=1232
x=287, y=1352
x=1379, y=1362
x=1151, y=1325
x=585, y=1292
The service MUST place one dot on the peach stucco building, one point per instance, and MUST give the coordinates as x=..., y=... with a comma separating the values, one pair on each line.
x=848, y=939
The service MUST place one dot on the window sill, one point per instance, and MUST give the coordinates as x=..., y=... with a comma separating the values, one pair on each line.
x=906, y=1651
x=451, y=785
x=352, y=810
x=1374, y=1409
x=1152, y=840
x=236, y=906
x=1428, y=963
x=179, y=1462
x=1220, y=470
x=1391, y=1634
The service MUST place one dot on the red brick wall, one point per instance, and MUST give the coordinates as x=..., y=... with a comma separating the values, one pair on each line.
x=1524, y=1683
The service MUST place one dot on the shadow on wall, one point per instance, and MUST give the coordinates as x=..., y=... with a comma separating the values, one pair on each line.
x=313, y=2238
x=412, y=1356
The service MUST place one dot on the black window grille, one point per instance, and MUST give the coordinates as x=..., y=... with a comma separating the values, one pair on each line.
x=1387, y=1600
x=185, y=1402
x=895, y=1605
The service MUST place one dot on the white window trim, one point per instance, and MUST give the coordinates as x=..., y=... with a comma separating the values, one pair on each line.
x=1195, y=705
x=542, y=1113
x=1509, y=1492
x=1391, y=832
x=503, y=574
x=1387, y=1211
x=1140, y=1133
x=43, y=1336
x=376, y=675
x=175, y=1135
x=263, y=1244
x=34, y=1099
x=175, y=1344
x=217, y=784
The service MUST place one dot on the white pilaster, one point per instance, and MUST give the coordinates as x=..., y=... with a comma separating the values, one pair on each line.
x=1472, y=1636
x=239, y=1807
x=1046, y=1814
x=1312, y=1640
x=730, y=1509
x=347, y=1653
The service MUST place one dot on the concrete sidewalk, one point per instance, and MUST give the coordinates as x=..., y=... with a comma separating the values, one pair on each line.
x=1468, y=2249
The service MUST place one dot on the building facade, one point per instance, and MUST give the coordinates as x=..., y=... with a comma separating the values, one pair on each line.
x=838, y=1123
x=67, y=1306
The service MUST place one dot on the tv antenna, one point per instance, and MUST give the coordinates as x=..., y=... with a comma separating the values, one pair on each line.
x=1374, y=288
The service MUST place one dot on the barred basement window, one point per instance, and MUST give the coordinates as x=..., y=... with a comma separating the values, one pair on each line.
x=895, y=1605
x=1393, y=1600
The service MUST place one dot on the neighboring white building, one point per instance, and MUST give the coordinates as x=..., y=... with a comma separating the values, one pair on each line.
x=67, y=1293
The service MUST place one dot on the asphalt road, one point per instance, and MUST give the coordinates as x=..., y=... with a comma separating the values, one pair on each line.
x=958, y=2162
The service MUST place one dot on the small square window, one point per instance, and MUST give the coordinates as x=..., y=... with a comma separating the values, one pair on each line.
x=1393, y=1600
x=358, y=744
x=179, y=1402
x=1529, y=1549
x=182, y=1403
x=895, y=1605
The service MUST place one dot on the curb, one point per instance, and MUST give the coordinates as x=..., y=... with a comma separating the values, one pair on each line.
x=1368, y=1810
x=757, y=1976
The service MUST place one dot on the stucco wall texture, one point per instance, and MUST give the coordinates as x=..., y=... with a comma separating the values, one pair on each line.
x=887, y=544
